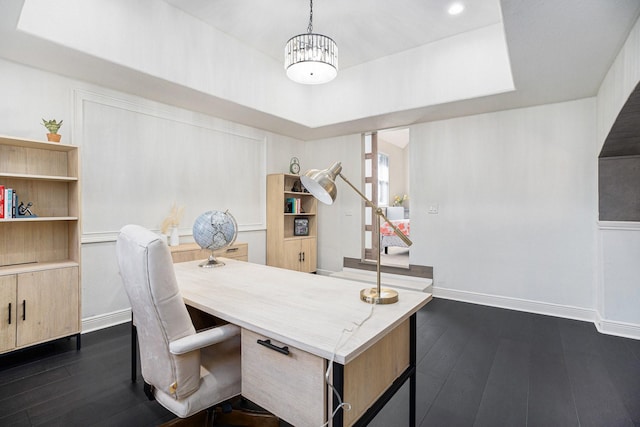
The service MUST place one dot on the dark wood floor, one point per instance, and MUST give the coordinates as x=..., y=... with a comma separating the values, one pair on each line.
x=477, y=366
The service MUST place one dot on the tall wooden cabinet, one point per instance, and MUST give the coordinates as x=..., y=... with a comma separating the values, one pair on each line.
x=40, y=255
x=285, y=249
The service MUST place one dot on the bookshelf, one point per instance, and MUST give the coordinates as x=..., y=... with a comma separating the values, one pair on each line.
x=40, y=255
x=285, y=249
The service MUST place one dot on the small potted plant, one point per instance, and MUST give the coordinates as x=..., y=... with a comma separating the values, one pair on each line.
x=52, y=126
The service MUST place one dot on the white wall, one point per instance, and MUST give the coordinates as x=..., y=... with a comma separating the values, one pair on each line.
x=339, y=225
x=30, y=94
x=517, y=197
x=619, y=243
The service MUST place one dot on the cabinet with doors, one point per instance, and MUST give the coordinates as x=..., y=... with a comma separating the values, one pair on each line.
x=292, y=224
x=40, y=253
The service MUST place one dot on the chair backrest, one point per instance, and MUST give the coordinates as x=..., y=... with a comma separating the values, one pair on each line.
x=158, y=310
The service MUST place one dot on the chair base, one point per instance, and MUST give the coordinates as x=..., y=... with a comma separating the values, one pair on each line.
x=243, y=413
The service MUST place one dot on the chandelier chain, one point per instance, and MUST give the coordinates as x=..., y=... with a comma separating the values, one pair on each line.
x=310, y=26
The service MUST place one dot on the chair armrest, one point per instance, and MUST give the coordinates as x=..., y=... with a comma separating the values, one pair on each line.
x=203, y=339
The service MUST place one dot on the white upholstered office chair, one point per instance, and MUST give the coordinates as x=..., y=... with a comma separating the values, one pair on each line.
x=187, y=371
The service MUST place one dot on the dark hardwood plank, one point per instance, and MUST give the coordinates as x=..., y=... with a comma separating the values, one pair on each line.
x=597, y=401
x=551, y=401
x=623, y=368
x=504, y=401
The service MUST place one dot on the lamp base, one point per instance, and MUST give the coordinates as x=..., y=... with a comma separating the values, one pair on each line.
x=211, y=263
x=387, y=296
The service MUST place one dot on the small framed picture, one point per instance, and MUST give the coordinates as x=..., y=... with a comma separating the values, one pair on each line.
x=301, y=226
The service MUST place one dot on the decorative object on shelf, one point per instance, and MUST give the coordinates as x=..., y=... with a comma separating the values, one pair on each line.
x=297, y=186
x=170, y=224
x=301, y=226
x=321, y=184
x=214, y=230
x=311, y=58
x=174, y=237
x=294, y=166
x=399, y=200
x=25, y=210
x=53, y=127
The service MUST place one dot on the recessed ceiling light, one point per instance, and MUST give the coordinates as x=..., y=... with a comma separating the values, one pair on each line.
x=456, y=8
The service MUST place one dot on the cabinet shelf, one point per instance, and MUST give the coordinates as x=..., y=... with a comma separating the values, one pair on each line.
x=36, y=266
x=32, y=177
x=298, y=193
x=40, y=219
x=298, y=214
x=299, y=238
x=32, y=143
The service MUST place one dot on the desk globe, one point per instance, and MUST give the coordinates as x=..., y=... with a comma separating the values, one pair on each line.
x=214, y=230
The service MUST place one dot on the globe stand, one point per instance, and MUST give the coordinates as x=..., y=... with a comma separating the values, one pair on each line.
x=212, y=262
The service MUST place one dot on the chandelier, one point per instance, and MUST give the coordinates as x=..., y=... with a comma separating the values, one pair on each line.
x=311, y=58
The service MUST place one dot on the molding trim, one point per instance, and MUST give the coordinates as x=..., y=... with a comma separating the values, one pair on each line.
x=135, y=104
x=619, y=225
x=106, y=320
x=518, y=304
x=112, y=236
x=620, y=329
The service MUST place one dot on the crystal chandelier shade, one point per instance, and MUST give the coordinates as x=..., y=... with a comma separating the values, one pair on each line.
x=311, y=58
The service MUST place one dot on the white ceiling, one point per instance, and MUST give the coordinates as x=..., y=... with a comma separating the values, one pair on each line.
x=364, y=30
x=558, y=50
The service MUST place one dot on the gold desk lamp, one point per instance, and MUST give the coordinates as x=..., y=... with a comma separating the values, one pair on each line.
x=321, y=184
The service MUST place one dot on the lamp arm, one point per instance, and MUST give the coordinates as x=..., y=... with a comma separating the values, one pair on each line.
x=378, y=212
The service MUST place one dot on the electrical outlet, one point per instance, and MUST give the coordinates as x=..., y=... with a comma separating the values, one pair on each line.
x=433, y=209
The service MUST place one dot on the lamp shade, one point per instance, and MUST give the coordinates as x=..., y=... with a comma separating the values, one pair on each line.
x=311, y=59
x=322, y=183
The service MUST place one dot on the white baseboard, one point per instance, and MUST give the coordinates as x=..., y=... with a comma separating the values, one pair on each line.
x=620, y=329
x=106, y=320
x=608, y=327
x=518, y=304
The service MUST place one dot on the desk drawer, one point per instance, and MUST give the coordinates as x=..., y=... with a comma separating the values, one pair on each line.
x=289, y=385
x=239, y=251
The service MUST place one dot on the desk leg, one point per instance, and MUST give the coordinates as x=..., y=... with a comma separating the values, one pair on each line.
x=134, y=353
x=412, y=364
x=338, y=385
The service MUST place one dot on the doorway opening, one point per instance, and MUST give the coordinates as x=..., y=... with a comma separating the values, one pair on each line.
x=386, y=183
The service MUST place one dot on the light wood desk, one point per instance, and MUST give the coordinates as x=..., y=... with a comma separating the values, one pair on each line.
x=291, y=323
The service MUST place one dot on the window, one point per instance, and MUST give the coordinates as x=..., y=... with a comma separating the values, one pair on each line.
x=383, y=179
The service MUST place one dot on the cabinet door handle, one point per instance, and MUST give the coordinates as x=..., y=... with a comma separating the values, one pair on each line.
x=299, y=256
x=24, y=309
x=267, y=343
x=302, y=256
x=232, y=250
x=9, y=313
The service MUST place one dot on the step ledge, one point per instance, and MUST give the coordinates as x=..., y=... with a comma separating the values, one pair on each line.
x=411, y=283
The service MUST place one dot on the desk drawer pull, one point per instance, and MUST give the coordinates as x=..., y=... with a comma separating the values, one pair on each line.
x=267, y=343
x=232, y=250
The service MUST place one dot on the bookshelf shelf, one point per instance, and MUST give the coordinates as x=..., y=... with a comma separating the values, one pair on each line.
x=38, y=177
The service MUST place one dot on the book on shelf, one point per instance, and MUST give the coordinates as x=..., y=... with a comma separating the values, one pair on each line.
x=14, y=205
x=1, y=201
x=8, y=202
